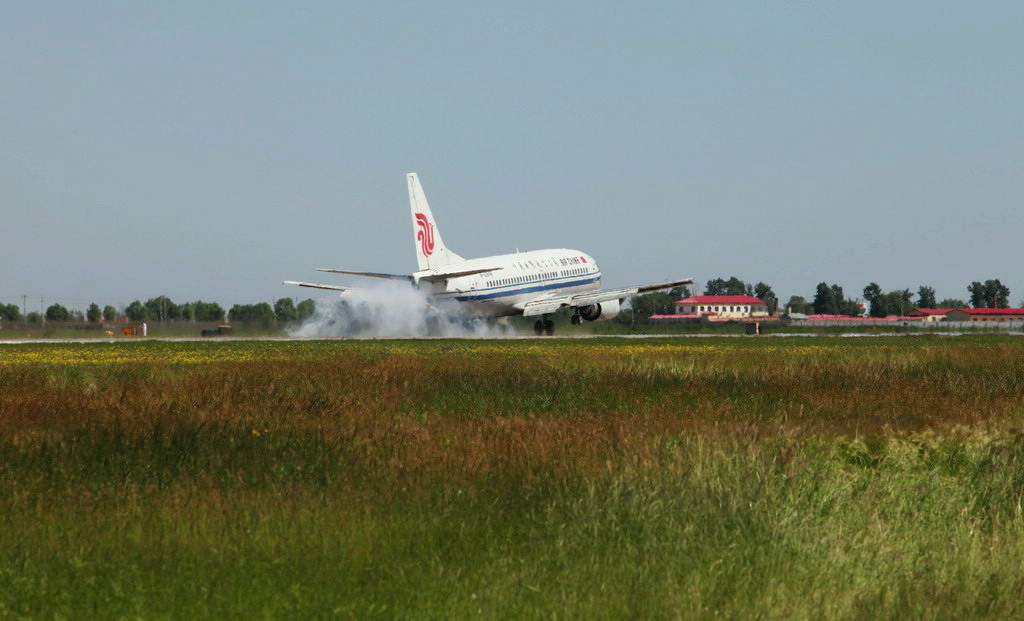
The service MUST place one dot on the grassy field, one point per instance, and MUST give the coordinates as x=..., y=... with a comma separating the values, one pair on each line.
x=518, y=325
x=776, y=478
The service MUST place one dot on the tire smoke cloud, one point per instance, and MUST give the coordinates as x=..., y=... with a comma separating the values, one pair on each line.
x=393, y=310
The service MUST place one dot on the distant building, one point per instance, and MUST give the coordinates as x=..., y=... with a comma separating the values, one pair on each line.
x=985, y=314
x=722, y=306
x=821, y=319
x=930, y=314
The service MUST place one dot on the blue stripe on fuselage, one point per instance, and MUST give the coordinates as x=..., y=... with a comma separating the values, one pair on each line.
x=563, y=279
x=527, y=289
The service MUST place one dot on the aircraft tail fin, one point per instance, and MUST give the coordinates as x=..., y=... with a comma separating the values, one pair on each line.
x=431, y=252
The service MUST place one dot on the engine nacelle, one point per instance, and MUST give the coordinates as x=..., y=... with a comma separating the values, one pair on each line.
x=600, y=312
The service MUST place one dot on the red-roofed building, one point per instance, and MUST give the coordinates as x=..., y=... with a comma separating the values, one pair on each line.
x=722, y=306
x=930, y=314
x=985, y=314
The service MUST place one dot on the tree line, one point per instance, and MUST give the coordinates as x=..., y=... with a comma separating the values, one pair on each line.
x=989, y=294
x=829, y=299
x=163, y=309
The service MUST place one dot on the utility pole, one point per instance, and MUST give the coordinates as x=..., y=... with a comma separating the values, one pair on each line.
x=42, y=313
x=24, y=308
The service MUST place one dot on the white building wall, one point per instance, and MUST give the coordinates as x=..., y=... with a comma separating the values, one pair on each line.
x=730, y=311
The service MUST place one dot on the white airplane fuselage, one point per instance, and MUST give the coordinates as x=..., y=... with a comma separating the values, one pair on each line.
x=523, y=276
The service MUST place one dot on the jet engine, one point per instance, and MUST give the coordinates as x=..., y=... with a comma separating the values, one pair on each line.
x=600, y=312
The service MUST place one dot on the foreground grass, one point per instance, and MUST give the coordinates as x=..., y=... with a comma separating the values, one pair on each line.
x=865, y=478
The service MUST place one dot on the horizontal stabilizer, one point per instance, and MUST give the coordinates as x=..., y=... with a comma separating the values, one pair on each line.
x=315, y=285
x=439, y=276
x=367, y=274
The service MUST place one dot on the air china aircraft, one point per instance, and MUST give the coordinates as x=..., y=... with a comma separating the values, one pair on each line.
x=535, y=283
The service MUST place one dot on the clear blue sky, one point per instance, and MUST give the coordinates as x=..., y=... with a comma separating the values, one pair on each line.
x=210, y=150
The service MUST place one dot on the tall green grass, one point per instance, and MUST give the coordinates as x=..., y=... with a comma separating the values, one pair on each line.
x=866, y=478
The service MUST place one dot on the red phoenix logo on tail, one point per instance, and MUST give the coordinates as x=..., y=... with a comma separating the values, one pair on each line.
x=425, y=236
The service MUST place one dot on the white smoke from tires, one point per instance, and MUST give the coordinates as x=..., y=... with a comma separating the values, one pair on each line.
x=391, y=309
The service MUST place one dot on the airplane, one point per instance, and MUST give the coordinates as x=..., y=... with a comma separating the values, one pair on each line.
x=535, y=283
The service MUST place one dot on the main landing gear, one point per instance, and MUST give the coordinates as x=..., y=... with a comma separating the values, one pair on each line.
x=544, y=326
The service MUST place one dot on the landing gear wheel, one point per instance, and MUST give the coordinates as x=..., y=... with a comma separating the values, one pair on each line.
x=549, y=327
x=538, y=327
x=576, y=320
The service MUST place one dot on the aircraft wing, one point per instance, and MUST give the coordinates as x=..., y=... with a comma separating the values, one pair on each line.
x=547, y=305
x=440, y=276
x=315, y=285
x=368, y=274
x=430, y=276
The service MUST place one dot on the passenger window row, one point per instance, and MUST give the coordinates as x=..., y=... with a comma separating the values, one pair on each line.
x=514, y=280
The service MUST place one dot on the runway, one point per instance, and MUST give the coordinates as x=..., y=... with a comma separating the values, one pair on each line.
x=285, y=339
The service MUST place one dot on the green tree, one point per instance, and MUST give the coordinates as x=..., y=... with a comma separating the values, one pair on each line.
x=94, y=313
x=678, y=293
x=799, y=304
x=926, y=297
x=830, y=300
x=208, y=311
x=735, y=286
x=952, y=303
x=261, y=312
x=34, y=317
x=240, y=312
x=998, y=293
x=990, y=294
x=56, y=312
x=898, y=302
x=655, y=303
x=306, y=309
x=851, y=308
x=10, y=312
x=977, y=292
x=718, y=286
x=161, y=308
x=109, y=313
x=874, y=296
x=135, y=311
x=824, y=299
x=763, y=292
x=284, y=310
x=715, y=286
x=838, y=306
x=201, y=311
x=871, y=293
